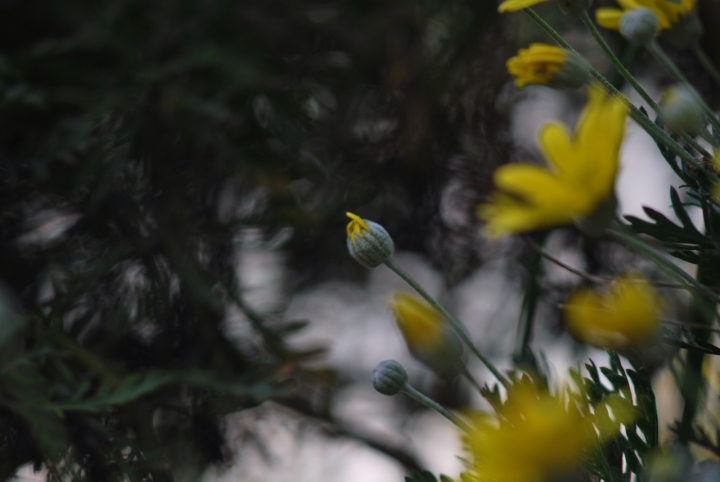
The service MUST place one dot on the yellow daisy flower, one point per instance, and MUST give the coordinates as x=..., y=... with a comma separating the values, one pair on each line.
x=549, y=65
x=668, y=13
x=537, y=436
x=580, y=178
x=627, y=313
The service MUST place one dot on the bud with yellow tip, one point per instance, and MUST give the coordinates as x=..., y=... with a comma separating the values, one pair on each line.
x=368, y=242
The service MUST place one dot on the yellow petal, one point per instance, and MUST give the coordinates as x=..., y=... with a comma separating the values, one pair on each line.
x=515, y=5
x=608, y=17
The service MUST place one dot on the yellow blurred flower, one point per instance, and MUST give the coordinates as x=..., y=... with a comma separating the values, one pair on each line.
x=515, y=5
x=428, y=336
x=667, y=12
x=550, y=65
x=626, y=313
x=580, y=178
x=537, y=436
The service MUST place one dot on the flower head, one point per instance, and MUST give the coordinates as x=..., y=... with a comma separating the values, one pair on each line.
x=550, y=65
x=368, y=242
x=579, y=180
x=668, y=13
x=537, y=435
x=627, y=313
x=427, y=335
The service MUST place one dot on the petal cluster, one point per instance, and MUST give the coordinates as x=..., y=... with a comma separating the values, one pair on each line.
x=668, y=13
x=580, y=176
x=626, y=313
x=537, y=436
x=537, y=64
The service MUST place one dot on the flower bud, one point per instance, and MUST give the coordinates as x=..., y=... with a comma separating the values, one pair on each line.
x=639, y=25
x=368, y=242
x=548, y=65
x=389, y=377
x=430, y=340
x=680, y=110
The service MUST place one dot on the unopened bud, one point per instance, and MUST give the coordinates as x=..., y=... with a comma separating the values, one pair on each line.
x=681, y=111
x=639, y=25
x=389, y=377
x=368, y=242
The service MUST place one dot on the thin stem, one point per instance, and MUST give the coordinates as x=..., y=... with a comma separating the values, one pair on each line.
x=666, y=62
x=690, y=324
x=658, y=134
x=634, y=83
x=636, y=244
x=428, y=402
x=593, y=278
x=705, y=61
x=454, y=323
x=523, y=356
x=702, y=312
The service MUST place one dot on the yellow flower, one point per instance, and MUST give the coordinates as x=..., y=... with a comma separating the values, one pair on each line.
x=580, y=178
x=627, y=313
x=668, y=13
x=427, y=335
x=537, y=436
x=547, y=64
x=515, y=5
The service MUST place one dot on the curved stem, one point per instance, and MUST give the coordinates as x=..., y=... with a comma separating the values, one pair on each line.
x=428, y=402
x=634, y=83
x=658, y=134
x=667, y=62
x=454, y=323
x=705, y=61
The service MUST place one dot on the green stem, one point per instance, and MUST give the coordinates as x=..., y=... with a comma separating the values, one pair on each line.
x=703, y=313
x=633, y=82
x=658, y=134
x=666, y=62
x=437, y=407
x=705, y=61
x=454, y=323
x=523, y=356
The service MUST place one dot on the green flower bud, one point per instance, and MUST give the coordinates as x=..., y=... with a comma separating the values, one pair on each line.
x=639, y=25
x=368, y=242
x=389, y=377
x=681, y=111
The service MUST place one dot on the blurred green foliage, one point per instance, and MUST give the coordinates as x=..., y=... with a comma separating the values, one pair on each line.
x=139, y=137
